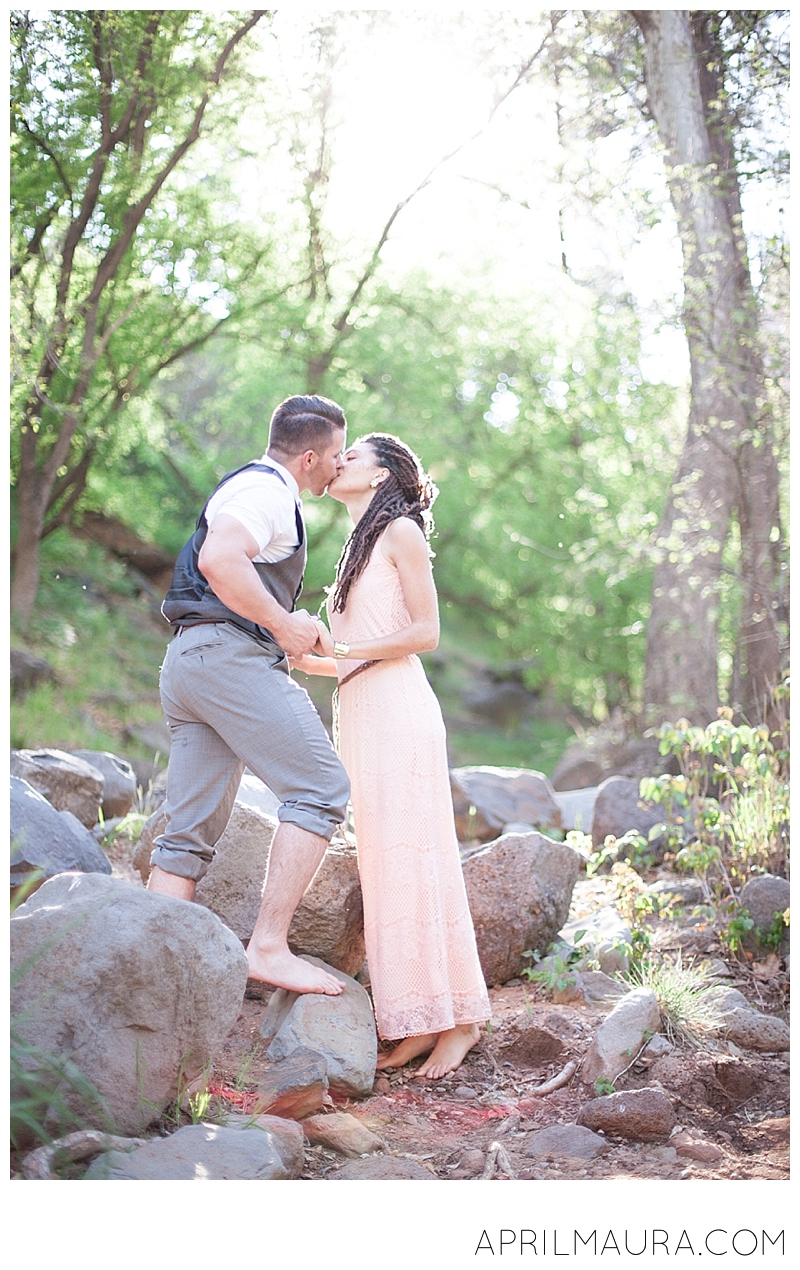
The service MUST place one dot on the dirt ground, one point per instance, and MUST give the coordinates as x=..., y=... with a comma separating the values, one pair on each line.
x=732, y=1107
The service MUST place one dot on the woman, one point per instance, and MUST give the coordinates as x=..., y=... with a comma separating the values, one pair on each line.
x=426, y=980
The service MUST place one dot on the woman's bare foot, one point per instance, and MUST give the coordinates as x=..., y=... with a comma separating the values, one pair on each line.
x=410, y=1047
x=281, y=968
x=449, y=1051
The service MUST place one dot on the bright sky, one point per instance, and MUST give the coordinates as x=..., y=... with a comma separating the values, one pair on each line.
x=412, y=86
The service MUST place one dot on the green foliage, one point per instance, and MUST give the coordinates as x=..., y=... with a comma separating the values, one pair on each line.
x=631, y=847
x=687, y=1013
x=554, y=971
x=603, y=1087
x=728, y=809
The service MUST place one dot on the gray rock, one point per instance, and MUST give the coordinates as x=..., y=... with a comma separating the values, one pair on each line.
x=382, y=1168
x=577, y=769
x=764, y=898
x=519, y=890
x=329, y=920
x=501, y=796
x=618, y=808
x=621, y=1035
x=207, y=1153
x=577, y=808
x=137, y=990
x=646, y=1115
x=68, y=783
x=753, y=1030
x=685, y=891
x=294, y=1088
x=340, y=1029
x=658, y=1046
x=119, y=781
x=46, y=842
x=254, y=793
x=607, y=939
x=343, y=1133
x=28, y=671
x=565, y=1141
x=599, y=987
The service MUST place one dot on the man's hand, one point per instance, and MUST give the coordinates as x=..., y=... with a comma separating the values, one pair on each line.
x=298, y=633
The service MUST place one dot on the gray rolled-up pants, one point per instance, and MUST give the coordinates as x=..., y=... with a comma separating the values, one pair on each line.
x=231, y=704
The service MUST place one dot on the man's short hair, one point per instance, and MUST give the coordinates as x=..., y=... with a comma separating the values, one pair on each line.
x=304, y=423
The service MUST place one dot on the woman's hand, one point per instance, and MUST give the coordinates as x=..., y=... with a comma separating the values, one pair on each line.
x=312, y=665
x=324, y=644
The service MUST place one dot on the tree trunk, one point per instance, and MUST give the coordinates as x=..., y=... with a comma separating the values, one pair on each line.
x=728, y=464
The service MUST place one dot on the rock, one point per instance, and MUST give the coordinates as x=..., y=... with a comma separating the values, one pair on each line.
x=119, y=781
x=155, y=737
x=28, y=672
x=519, y=890
x=577, y=808
x=254, y=793
x=343, y=1133
x=68, y=783
x=739, y=1022
x=470, y=1163
x=328, y=922
x=340, y=1029
x=382, y=1168
x=501, y=796
x=577, y=769
x=684, y=891
x=657, y=1046
x=565, y=1141
x=764, y=898
x=503, y=704
x=294, y=1088
x=46, y=842
x=525, y=1044
x=208, y=1153
x=599, y=987
x=618, y=808
x=688, y=1147
x=642, y=1114
x=138, y=990
x=753, y=1030
x=607, y=939
x=621, y=1035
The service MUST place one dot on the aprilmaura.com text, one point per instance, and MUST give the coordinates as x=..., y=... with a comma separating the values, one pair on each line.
x=572, y=1243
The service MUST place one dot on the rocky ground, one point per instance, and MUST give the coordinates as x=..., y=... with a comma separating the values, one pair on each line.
x=732, y=1108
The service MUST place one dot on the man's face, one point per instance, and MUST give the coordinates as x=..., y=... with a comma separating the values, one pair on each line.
x=323, y=465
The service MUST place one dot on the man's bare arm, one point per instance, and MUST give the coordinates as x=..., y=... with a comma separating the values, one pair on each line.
x=226, y=560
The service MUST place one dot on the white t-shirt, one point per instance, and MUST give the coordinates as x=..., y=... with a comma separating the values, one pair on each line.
x=265, y=506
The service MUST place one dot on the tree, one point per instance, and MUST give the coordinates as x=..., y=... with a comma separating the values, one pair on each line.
x=729, y=466
x=107, y=104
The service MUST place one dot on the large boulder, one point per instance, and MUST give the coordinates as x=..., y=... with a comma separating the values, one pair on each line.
x=137, y=991
x=266, y=1149
x=328, y=922
x=68, y=783
x=46, y=842
x=578, y=769
x=519, y=890
x=295, y=1087
x=486, y=799
x=340, y=1029
x=621, y=1035
x=119, y=781
x=618, y=808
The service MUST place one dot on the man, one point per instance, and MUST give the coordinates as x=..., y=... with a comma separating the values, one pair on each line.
x=226, y=691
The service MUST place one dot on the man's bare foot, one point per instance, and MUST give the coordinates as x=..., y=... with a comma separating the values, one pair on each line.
x=410, y=1047
x=449, y=1051
x=162, y=883
x=284, y=970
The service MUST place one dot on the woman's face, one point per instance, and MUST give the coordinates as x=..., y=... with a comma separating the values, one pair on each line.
x=359, y=469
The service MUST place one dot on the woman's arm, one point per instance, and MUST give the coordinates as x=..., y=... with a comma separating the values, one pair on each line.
x=405, y=545
x=312, y=665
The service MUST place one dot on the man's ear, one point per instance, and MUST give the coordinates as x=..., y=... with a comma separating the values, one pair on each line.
x=309, y=460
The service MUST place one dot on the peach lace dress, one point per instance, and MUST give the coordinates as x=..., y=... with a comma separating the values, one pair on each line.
x=421, y=952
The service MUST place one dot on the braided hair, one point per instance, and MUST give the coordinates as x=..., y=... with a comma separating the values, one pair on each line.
x=406, y=491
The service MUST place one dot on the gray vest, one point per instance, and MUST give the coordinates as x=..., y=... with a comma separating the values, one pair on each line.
x=190, y=599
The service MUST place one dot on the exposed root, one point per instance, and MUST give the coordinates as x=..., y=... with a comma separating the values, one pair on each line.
x=38, y=1165
x=561, y=1078
x=497, y=1164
